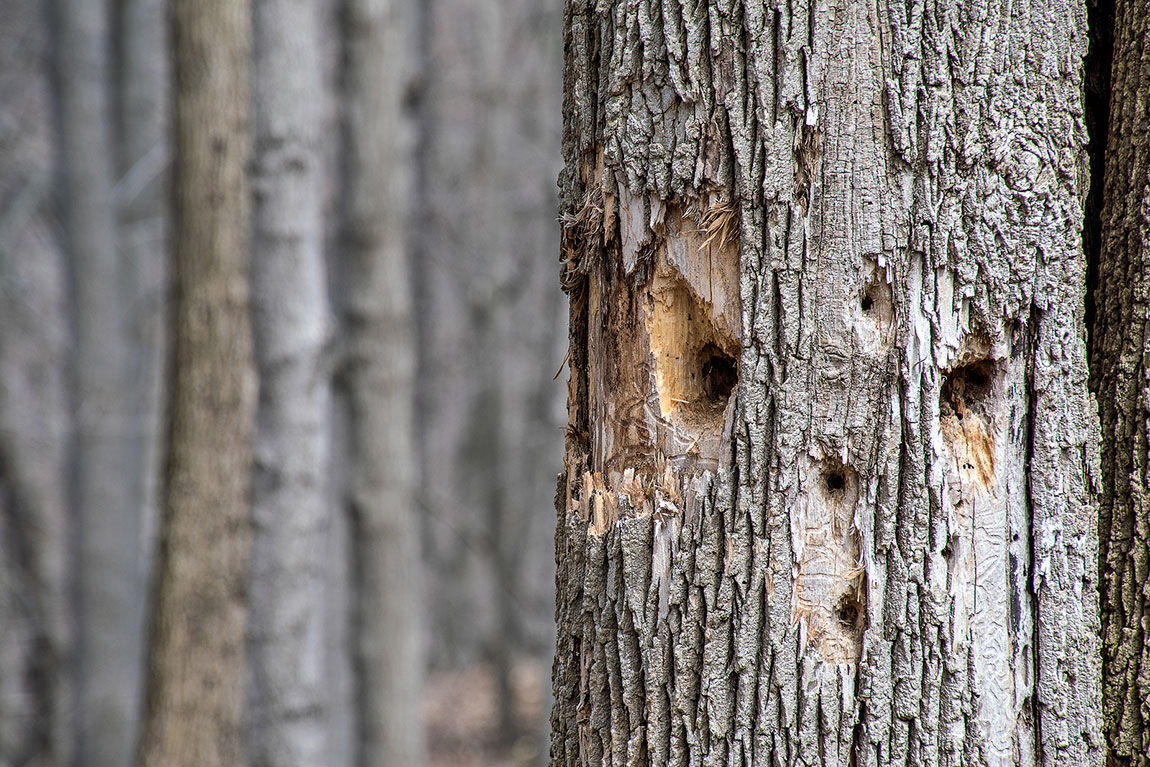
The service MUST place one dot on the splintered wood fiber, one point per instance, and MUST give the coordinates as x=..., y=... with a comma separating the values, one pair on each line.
x=829, y=480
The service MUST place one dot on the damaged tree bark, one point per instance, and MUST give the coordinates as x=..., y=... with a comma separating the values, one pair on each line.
x=828, y=494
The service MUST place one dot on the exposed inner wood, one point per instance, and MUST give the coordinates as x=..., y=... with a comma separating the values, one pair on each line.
x=696, y=360
x=839, y=569
x=665, y=368
x=829, y=602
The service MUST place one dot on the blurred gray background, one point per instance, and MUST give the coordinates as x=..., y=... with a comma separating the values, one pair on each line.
x=85, y=288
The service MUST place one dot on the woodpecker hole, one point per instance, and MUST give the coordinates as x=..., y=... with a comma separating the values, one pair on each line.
x=968, y=401
x=968, y=386
x=838, y=483
x=696, y=366
x=720, y=373
x=874, y=312
x=849, y=612
x=830, y=584
x=946, y=551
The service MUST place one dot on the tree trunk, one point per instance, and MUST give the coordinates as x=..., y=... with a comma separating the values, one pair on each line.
x=830, y=469
x=143, y=76
x=289, y=690
x=36, y=630
x=1121, y=375
x=340, y=678
x=488, y=305
x=377, y=377
x=108, y=458
x=195, y=661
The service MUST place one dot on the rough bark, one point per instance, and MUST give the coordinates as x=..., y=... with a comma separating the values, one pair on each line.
x=377, y=378
x=291, y=522
x=195, y=673
x=1121, y=376
x=830, y=469
x=36, y=630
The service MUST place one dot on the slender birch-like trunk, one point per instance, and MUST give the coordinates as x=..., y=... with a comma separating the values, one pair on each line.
x=142, y=85
x=108, y=457
x=289, y=693
x=487, y=157
x=1121, y=376
x=195, y=672
x=830, y=471
x=377, y=378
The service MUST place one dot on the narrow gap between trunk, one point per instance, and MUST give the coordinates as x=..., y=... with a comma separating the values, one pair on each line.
x=1100, y=25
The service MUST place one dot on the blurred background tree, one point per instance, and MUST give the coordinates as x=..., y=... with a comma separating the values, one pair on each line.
x=401, y=153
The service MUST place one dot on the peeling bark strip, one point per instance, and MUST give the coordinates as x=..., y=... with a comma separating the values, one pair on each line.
x=829, y=483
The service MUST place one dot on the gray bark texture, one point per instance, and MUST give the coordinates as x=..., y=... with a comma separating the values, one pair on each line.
x=377, y=378
x=36, y=630
x=1121, y=372
x=195, y=671
x=109, y=438
x=288, y=695
x=830, y=466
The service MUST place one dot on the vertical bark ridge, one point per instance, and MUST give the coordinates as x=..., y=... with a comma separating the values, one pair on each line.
x=1122, y=384
x=845, y=544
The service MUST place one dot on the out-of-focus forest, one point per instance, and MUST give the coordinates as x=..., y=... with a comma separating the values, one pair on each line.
x=424, y=128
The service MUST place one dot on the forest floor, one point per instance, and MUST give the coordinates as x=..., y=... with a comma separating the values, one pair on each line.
x=461, y=717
